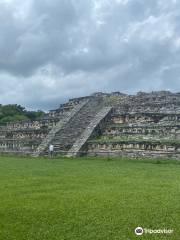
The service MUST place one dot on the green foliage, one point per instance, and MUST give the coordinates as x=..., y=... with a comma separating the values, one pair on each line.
x=14, y=112
x=87, y=198
x=158, y=162
x=11, y=109
x=13, y=118
x=34, y=115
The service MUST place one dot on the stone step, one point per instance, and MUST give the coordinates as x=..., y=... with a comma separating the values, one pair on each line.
x=60, y=125
x=64, y=137
x=77, y=146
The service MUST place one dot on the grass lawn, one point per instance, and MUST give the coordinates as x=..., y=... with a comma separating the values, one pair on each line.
x=87, y=198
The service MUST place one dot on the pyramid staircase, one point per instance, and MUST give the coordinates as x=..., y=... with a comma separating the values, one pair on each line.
x=71, y=133
x=59, y=126
x=80, y=142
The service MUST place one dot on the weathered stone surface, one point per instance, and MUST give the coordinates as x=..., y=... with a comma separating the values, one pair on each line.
x=88, y=132
x=66, y=137
x=57, y=128
x=145, y=124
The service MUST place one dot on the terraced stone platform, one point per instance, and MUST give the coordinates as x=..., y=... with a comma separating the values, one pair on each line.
x=145, y=124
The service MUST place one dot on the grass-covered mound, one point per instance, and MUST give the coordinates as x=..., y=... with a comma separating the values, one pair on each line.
x=87, y=198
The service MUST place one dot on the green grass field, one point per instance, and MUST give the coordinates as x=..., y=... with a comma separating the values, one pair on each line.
x=87, y=198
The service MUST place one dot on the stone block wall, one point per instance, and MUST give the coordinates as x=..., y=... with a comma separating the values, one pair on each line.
x=141, y=125
x=145, y=124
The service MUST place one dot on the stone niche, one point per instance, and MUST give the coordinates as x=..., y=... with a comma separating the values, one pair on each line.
x=127, y=118
x=18, y=146
x=133, y=149
x=145, y=124
x=147, y=131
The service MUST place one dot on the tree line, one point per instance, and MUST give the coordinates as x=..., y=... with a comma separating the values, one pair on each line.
x=14, y=112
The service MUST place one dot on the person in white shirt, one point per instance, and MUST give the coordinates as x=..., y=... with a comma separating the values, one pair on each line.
x=51, y=150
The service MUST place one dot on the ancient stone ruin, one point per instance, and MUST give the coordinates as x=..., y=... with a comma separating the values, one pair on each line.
x=141, y=125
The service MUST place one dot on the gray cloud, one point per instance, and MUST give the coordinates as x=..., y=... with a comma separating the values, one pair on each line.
x=52, y=50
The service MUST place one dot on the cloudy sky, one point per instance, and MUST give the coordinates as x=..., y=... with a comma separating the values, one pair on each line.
x=52, y=50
